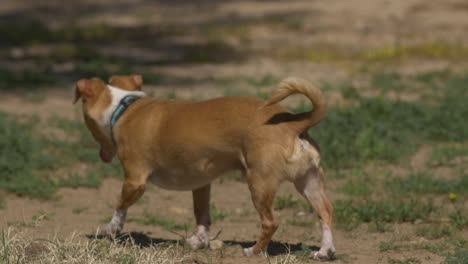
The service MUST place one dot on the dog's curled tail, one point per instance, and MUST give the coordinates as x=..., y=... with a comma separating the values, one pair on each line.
x=293, y=85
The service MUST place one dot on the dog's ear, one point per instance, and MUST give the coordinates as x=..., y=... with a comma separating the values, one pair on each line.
x=82, y=90
x=127, y=82
x=138, y=80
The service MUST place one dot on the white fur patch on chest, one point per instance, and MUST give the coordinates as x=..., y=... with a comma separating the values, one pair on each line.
x=117, y=94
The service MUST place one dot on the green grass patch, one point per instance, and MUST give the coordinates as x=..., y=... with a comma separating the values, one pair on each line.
x=283, y=202
x=12, y=80
x=82, y=147
x=389, y=245
x=349, y=214
x=424, y=182
x=156, y=220
x=433, y=77
x=445, y=154
x=410, y=260
x=387, y=81
x=376, y=129
x=23, y=160
x=379, y=227
x=29, y=161
x=460, y=256
x=383, y=130
x=217, y=214
x=91, y=180
x=459, y=219
x=356, y=188
x=435, y=231
x=348, y=91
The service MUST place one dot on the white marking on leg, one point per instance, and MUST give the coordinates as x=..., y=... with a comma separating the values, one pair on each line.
x=203, y=234
x=200, y=239
x=327, y=238
x=118, y=219
x=327, y=249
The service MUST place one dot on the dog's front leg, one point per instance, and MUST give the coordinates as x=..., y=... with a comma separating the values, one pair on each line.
x=132, y=189
x=201, y=208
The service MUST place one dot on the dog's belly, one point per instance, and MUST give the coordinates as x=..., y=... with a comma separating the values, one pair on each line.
x=195, y=174
x=179, y=181
x=192, y=177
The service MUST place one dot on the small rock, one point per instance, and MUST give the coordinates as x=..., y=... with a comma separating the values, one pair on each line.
x=301, y=213
x=216, y=244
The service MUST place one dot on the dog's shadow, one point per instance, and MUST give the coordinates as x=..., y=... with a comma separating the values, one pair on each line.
x=143, y=240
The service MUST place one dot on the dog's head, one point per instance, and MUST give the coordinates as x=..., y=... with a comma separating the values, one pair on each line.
x=96, y=99
x=127, y=82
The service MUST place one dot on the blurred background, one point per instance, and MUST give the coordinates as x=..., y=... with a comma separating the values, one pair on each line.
x=394, y=142
x=235, y=45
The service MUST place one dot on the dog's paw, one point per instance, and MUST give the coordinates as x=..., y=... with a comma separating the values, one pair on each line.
x=109, y=230
x=248, y=252
x=323, y=256
x=198, y=241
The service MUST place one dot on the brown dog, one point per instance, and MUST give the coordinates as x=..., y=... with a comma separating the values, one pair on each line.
x=185, y=145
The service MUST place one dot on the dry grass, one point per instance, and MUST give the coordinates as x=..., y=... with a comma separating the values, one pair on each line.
x=17, y=246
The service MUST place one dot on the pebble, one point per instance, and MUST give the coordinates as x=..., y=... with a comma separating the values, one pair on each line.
x=301, y=213
x=216, y=244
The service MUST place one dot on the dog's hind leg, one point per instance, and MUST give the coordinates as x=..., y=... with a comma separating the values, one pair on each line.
x=311, y=187
x=132, y=189
x=263, y=190
x=201, y=208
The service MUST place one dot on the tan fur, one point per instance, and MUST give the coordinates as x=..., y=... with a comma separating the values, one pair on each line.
x=292, y=86
x=96, y=98
x=185, y=145
x=130, y=83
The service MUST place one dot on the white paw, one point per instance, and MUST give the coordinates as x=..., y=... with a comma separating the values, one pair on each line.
x=323, y=255
x=110, y=229
x=248, y=252
x=198, y=241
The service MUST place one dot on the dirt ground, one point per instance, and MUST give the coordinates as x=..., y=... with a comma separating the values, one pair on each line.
x=344, y=26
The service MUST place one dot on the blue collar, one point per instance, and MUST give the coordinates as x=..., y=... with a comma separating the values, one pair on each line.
x=123, y=105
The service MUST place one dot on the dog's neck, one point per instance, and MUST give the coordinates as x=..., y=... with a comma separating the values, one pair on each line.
x=117, y=95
